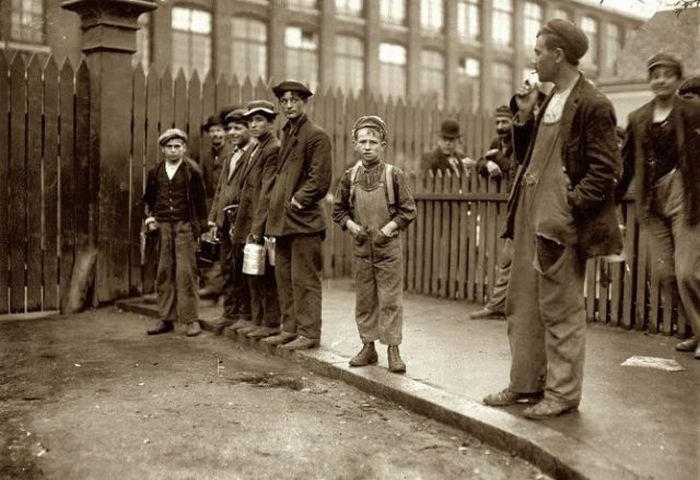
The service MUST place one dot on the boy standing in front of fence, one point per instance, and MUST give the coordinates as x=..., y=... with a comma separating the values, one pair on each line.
x=176, y=207
x=373, y=203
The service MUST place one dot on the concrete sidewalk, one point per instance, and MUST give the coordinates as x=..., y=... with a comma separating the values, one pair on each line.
x=632, y=423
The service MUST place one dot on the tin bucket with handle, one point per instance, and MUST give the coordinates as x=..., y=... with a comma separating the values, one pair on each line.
x=253, y=257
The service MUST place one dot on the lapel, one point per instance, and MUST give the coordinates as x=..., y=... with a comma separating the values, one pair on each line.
x=251, y=156
x=244, y=162
x=290, y=141
x=567, y=117
x=678, y=119
x=645, y=118
x=230, y=173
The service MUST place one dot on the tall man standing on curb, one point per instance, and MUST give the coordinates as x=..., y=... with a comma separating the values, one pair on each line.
x=295, y=218
x=561, y=212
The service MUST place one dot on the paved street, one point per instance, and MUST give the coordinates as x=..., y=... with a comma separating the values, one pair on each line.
x=90, y=396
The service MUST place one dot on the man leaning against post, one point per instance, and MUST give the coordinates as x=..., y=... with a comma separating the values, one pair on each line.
x=561, y=212
x=295, y=218
x=446, y=156
x=176, y=208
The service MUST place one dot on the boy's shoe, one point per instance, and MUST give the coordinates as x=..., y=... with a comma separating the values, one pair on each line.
x=279, y=339
x=366, y=356
x=396, y=365
x=193, y=329
x=484, y=313
x=508, y=397
x=687, y=345
x=240, y=324
x=301, y=343
x=248, y=329
x=161, y=326
x=263, y=332
x=697, y=353
x=216, y=325
x=548, y=408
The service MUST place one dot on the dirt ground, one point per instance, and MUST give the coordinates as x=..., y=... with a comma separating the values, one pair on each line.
x=92, y=397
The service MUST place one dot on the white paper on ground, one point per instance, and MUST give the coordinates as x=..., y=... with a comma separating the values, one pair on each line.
x=666, y=364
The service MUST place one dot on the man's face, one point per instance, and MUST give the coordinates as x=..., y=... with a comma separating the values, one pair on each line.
x=238, y=133
x=664, y=81
x=503, y=126
x=369, y=144
x=545, y=61
x=174, y=150
x=217, y=134
x=292, y=105
x=259, y=125
x=448, y=146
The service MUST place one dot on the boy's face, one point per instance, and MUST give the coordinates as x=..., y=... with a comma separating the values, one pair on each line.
x=174, y=150
x=217, y=134
x=293, y=105
x=259, y=125
x=664, y=81
x=238, y=133
x=369, y=144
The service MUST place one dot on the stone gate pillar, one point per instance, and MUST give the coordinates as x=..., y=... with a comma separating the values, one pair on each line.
x=108, y=43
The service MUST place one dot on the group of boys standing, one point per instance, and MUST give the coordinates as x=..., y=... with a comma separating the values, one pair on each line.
x=269, y=192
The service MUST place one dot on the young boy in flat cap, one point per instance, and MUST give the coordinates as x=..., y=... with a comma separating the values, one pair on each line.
x=560, y=213
x=662, y=153
x=175, y=204
x=373, y=203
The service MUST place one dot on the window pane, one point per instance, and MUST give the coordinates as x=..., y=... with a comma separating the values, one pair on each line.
x=468, y=20
x=432, y=15
x=349, y=63
x=468, y=83
x=502, y=23
x=248, y=48
x=191, y=31
x=433, y=75
x=27, y=21
x=590, y=27
x=392, y=70
x=561, y=13
x=302, y=55
x=393, y=11
x=533, y=22
x=502, y=83
x=303, y=4
x=349, y=7
x=614, y=46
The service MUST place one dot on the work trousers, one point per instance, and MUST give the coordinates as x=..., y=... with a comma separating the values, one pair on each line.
x=176, y=278
x=298, y=270
x=264, y=302
x=235, y=287
x=497, y=303
x=676, y=246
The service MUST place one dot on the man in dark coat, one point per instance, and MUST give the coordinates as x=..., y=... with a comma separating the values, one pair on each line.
x=295, y=218
x=662, y=152
x=561, y=212
x=445, y=156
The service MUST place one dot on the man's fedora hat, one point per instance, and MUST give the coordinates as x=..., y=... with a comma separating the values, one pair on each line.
x=211, y=121
x=291, y=86
x=450, y=129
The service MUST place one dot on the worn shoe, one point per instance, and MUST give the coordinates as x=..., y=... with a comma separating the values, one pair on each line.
x=366, y=356
x=396, y=365
x=509, y=397
x=301, y=343
x=484, y=313
x=193, y=329
x=687, y=345
x=697, y=353
x=548, y=408
x=161, y=326
x=263, y=332
x=279, y=339
x=240, y=324
x=216, y=325
x=248, y=329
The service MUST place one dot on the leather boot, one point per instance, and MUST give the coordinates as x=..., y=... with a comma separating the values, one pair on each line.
x=396, y=365
x=366, y=356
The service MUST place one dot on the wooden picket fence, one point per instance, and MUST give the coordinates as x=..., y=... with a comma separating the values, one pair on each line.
x=451, y=250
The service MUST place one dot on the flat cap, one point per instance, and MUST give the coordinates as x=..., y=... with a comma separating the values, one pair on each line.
x=236, y=116
x=691, y=85
x=665, y=60
x=370, y=121
x=260, y=106
x=291, y=86
x=504, y=111
x=225, y=110
x=574, y=40
x=170, y=134
x=211, y=121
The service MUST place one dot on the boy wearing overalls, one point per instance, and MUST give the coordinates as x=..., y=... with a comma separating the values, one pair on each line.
x=373, y=203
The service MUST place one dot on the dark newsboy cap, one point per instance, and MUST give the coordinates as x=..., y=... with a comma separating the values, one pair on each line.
x=450, y=129
x=211, y=121
x=665, y=60
x=236, y=116
x=504, y=111
x=574, y=40
x=260, y=106
x=291, y=86
x=170, y=134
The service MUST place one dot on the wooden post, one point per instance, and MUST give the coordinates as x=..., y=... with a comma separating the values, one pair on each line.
x=109, y=40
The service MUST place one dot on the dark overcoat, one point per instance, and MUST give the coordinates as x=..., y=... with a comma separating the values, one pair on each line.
x=436, y=161
x=592, y=162
x=228, y=187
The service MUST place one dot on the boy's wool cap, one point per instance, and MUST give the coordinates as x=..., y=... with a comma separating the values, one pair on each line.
x=225, y=110
x=236, y=116
x=170, y=134
x=504, y=111
x=291, y=86
x=450, y=129
x=690, y=85
x=573, y=38
x=211, y=121
x=664, y=60
x=370, y=121
x=260, y=106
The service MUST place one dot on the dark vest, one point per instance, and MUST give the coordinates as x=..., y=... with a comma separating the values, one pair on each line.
x=171, y=198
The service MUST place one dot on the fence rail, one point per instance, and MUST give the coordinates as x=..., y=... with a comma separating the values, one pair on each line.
x=451, y=250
